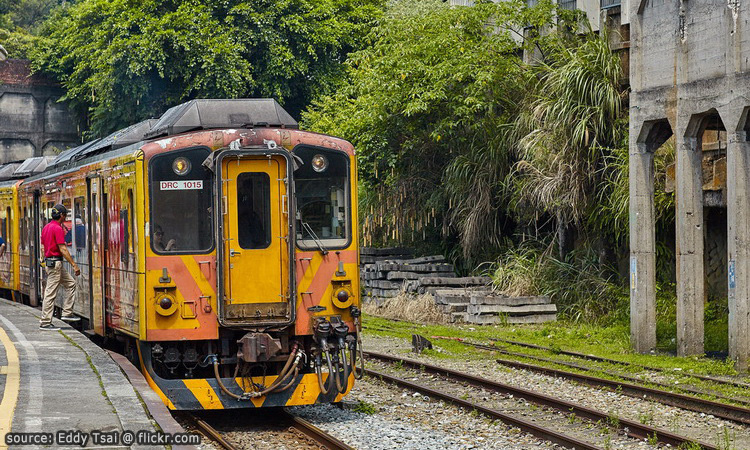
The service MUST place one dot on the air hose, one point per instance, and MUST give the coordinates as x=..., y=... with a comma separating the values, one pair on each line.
x=290, y=367
x=319, y=371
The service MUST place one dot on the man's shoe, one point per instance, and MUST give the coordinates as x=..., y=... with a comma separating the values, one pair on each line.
x=49, y=327
x=70, y=318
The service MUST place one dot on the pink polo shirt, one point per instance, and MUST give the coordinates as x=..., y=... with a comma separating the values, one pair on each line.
x=52, y=235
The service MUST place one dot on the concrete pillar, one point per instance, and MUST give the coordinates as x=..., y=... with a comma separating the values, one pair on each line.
x=738, y=247
x=689, y=223
x=642, y=249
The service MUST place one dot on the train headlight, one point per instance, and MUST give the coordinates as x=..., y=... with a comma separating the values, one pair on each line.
x=166, y=305
x=342, y=298
x=181, y=166
x=319, y=163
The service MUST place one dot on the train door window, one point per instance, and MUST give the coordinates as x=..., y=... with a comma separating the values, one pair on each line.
x=181, y=202
x=131, y=221
x=8, y=226
x=254, y=210
x=68, y=225
x=95, y=230
x=79, y=228
x=24, y=228
x=124, y=236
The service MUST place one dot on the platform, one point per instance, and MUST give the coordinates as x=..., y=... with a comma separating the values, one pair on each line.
x=52, y=381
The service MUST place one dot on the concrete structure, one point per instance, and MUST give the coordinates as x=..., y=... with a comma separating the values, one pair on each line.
x=690, y=77
x=32, y=121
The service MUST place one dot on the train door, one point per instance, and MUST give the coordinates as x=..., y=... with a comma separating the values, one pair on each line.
x=35, y=283
x=97, y=230
x=255, y=239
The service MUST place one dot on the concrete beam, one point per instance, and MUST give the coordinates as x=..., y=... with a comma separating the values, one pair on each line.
x=689, y=223
x=642, y=249
x=738, y=247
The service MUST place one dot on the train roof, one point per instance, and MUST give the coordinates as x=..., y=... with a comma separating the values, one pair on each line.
x=205, y=114
x=201, y=114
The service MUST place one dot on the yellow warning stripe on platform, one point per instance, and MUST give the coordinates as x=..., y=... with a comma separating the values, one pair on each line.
x=12, y=385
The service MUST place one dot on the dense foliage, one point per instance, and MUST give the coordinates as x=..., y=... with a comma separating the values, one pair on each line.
x=430, y=105
x=122, y=61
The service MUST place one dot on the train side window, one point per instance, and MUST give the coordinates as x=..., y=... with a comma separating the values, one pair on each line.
x=254, y=210
x=181, y=202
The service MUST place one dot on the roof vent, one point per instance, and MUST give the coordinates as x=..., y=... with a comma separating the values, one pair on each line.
x=222, y=113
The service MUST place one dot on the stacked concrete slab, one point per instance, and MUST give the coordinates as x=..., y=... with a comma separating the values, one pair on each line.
x=389, y=272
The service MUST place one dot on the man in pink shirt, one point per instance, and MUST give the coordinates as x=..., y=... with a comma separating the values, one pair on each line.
x=55, y=249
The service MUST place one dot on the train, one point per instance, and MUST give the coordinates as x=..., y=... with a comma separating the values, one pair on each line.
x=216, y=243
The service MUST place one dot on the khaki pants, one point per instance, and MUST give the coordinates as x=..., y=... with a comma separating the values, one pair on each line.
x=56, y=277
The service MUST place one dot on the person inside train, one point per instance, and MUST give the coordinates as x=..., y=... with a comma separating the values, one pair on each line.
x=159, y=240
x=55, y=249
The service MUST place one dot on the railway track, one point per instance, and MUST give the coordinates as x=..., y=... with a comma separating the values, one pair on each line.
x=630, y=428
x=733, y=413
x=620, y=363
x=297, y=424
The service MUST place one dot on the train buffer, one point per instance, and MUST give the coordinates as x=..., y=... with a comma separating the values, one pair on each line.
x=58, y=388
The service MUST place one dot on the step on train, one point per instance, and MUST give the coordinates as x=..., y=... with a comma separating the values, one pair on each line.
x=216, y=243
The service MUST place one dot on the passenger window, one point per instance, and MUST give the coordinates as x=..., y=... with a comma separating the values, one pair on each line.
x=181, y=202
x=254, y=210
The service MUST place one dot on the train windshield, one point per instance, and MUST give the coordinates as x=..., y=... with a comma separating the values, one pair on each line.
x=181, y=202
x=322, y=194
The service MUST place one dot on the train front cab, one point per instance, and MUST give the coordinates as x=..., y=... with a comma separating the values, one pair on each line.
x=257, y=306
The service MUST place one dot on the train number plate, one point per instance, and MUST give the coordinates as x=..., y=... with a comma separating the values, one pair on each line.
x=181, y=185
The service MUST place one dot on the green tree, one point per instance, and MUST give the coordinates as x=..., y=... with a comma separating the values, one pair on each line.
x=427, y=106
x=121, y=61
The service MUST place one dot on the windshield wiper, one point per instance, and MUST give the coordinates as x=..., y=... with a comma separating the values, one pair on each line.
x=308, y=228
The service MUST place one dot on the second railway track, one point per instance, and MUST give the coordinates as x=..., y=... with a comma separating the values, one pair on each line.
x=631, y=428
x=633, y=388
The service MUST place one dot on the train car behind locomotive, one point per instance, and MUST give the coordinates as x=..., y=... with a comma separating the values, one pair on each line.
x=217, y=244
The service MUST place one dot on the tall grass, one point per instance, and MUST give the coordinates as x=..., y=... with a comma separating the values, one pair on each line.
x=582, y=288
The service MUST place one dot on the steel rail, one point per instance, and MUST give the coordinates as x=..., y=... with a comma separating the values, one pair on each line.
x=315, y=433
x=213, y=432
x=622, y=363
x=732, y=413
x=729, y=412
x=523, y=425
x=630, y=427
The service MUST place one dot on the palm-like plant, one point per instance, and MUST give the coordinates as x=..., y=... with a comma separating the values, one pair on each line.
x=567, y=128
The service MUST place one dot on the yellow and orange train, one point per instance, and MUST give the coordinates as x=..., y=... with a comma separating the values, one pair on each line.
x=217, y=243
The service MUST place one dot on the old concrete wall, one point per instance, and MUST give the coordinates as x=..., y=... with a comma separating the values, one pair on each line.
x=689, y=71
x=32, y=121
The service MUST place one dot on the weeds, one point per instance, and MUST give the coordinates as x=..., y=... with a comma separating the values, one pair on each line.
x=364, y=408
x=724, y=440
x=646, y=418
